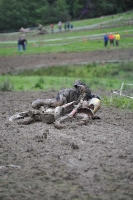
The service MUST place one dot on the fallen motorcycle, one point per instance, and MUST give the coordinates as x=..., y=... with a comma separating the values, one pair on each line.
x=82, y=112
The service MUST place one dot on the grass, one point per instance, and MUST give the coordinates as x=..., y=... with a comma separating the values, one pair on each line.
x=31, y=37
x=116, y=70
x=98, y=76
x=119, y=102
x=6, y=85
x=126, y=15
x=48, y=83
x=79, y=45
x=30, y=83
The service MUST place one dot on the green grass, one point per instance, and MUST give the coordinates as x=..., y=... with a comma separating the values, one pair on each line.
x=98, y=76
x=48, y=83
x=5, y=85
x=79, y=45
x=64, y=36
x=102, y=19
x=118, y=102
x=28, y=83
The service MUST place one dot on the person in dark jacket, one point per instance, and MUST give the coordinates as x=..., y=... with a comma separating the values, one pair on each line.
x=19, y=44
x=66, y=96
x=106, y=38
x=24, y=43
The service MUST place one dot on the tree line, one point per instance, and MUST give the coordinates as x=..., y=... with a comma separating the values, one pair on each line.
x=15, y=14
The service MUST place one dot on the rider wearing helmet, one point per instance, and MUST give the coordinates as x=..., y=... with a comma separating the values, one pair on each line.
x=65, y=96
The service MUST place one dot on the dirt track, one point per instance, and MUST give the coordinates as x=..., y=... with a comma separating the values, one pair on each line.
x=38, y=161
x=11, y=64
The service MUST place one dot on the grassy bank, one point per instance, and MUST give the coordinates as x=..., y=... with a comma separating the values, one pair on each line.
x=101, y=78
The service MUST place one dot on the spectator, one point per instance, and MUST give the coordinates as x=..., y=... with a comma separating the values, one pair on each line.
x=52, y=28
x=71, y=26
x=117, y=39
x=60, y=25
x=106, y=38
x=24, y=43
x=111, y=38
x=68, y=25
x=19, y=44
x=65, y=26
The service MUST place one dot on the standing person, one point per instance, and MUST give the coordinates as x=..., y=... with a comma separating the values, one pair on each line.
x=52, y=28
x=111, y=38
x=117, y=39
x=60, y=25
x=71, y=25
x=68, y=25
x=65, y=26
x=24, y=43
x=106, y=38
x=19, y=44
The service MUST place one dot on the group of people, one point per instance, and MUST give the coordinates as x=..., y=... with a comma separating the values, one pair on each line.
x=67, y=25
x=113, y=39
x=22, y=42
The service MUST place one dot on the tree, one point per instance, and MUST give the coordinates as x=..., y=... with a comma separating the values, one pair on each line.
x=60, y=11
x=27, y=13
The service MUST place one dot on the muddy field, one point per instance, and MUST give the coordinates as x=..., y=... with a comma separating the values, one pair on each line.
x=16, y=63
x=38, y=161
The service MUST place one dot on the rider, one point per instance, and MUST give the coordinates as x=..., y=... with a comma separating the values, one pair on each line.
x=80, y=96
x=68, y=101
x=65, y=96
x=89, y=107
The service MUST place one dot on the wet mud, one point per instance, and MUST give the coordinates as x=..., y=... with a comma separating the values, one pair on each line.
x=38, y=161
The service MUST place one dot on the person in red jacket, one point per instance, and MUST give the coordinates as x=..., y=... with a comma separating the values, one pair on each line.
x=111, y=39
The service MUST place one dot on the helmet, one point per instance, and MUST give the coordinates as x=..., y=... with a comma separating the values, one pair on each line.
x=94, y=104
x=77, y=83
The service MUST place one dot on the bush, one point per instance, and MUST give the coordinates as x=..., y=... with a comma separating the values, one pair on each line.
x=39, y=84
x=6, y=86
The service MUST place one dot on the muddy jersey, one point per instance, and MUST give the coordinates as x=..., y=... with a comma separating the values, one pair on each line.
x=72, y=94
x=68, y=95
